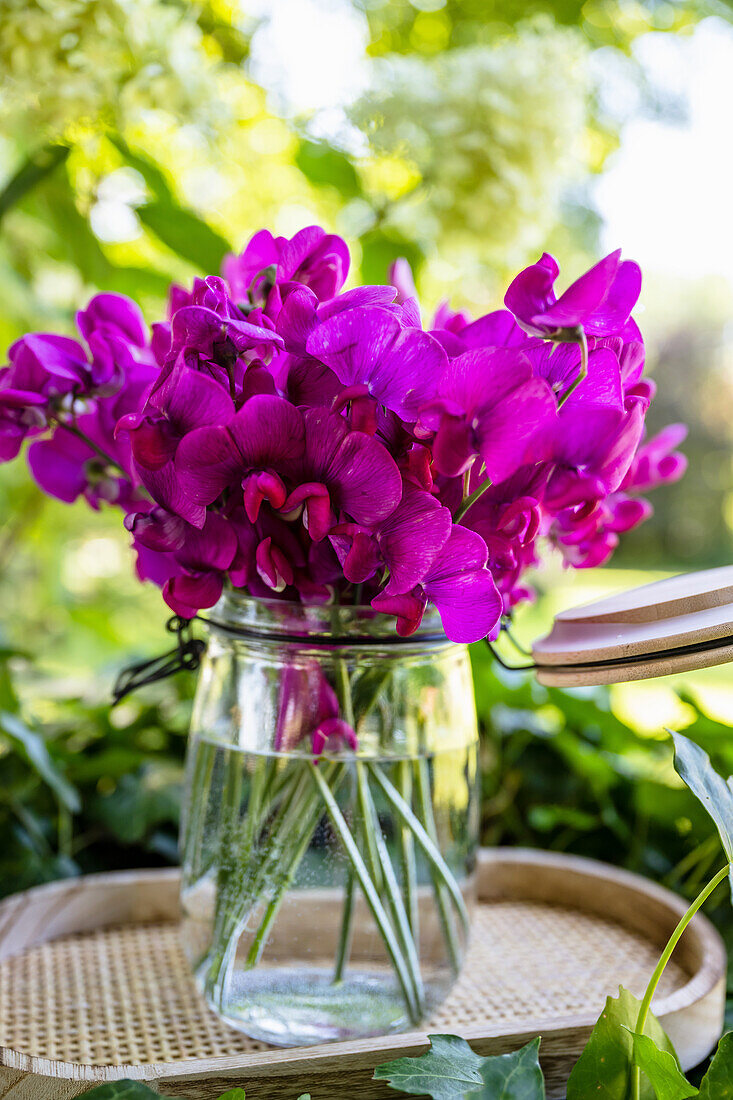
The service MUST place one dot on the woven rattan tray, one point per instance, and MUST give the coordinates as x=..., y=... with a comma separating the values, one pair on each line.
x=93, y=985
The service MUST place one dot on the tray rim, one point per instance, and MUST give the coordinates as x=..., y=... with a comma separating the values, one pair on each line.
x=355, y=1054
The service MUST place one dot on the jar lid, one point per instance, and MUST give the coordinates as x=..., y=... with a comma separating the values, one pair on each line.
x=674, y=625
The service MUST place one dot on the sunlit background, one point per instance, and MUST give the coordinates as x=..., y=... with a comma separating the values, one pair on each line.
x=142, y=139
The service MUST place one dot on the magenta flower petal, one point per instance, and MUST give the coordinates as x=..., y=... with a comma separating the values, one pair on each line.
x=657, y=462
x=48, y=363
x=358, y=551
x=383, y=296
x=463, y=589
x=585, y=295
x=188, y=593
x=333, y=734
x=614, y=310
x=314, y=498
x=408, y=609
x=411, y=538
x=532, y=292
x=157, y=529
x=191, y=400
x=361, y=476
x=492, y=407
x=401, y=367
x=601, y=300
x=168, y=488
x=113, y=314
x=627, y=512
x=207, y=461
x=58, y=464
x=497, y=329
x=273, y=566
x=213, y=547
x=267, y=431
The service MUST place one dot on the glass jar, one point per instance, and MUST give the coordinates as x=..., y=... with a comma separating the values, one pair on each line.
x=331, y=820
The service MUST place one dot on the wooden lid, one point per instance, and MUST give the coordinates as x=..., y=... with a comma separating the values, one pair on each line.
x=675, y=625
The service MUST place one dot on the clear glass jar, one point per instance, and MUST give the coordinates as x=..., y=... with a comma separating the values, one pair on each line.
x=331, y=820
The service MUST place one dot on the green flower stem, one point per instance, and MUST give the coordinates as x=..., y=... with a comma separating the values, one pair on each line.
x=370, y=892
x=660, y=967
x=106, y=458
x=200, y=784
x=442, y=900
x=346, y=934
x=309, y=814
x=578, y=338
x=239, y=878
x=391, y=891
x=469, y=501
x=429, y=846
x=346, y=703
x=407, y=851
x=343, y=690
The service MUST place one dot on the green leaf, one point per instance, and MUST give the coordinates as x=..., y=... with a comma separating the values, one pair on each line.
x=33, y=748
x=233, y=1094
x=366, y=687
x=447, y=1070
x=36, y=168
x=380, y=247
x=604, y=1068
x=125, y=1090
x=515, y=1076
x=154, y=176
x=140, y=802
x=185, y=234
x=661, y=1069
x=717, y=1084
x=692, y=764
x=322, y=164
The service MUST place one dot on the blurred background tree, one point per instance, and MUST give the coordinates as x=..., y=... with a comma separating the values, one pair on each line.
x=140, y=140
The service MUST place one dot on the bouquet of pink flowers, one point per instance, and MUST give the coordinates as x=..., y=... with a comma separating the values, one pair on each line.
x=291, y=439
x=287, y=439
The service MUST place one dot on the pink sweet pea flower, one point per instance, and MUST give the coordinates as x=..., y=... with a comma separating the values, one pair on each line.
x=657, y=461
x=600, y=301
x=313, y=257
x=373, y=355
x=461, y=587
x=490, y=404
x=251, y=450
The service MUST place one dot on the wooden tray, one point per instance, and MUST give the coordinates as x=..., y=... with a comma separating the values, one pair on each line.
x=93, y=985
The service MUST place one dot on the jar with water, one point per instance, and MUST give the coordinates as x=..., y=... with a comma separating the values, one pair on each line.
x=331, y=820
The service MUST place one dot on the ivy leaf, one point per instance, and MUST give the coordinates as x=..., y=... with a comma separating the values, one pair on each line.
x=446, y=1071
x=125, y=1090
x=692, y=764
x=515, y=1076
x=604, y=1068
x=661, y=1069
x=34, y=750
x=717, y=1084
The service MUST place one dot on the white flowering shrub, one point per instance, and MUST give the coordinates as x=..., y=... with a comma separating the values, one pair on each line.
x=490, y=134
x=71, y=64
